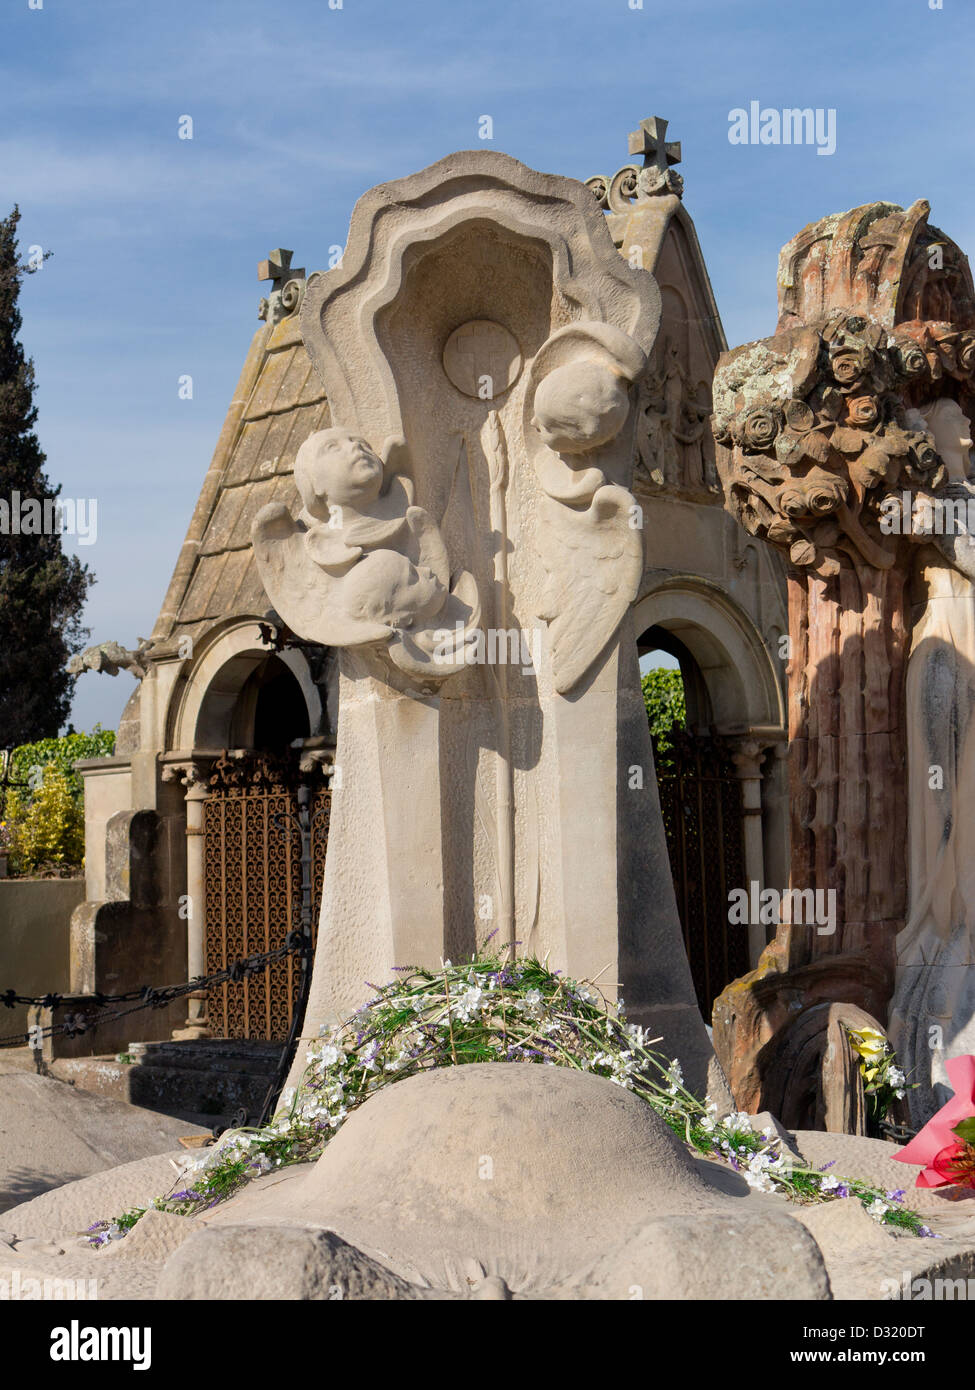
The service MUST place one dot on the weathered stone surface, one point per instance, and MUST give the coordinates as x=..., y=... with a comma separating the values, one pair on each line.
x=820, y=441
x=154, y=1237
x=51, y=1133
x=555, y=1181
x=68, y=1210
x=275, y=1262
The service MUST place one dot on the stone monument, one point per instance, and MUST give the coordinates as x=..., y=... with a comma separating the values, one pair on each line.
x=467, y=539
x=834, y=434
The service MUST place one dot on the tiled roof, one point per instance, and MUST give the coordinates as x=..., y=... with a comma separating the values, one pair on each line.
x=279, y=401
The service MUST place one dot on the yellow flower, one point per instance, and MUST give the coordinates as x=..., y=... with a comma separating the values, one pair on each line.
x=869, y=1044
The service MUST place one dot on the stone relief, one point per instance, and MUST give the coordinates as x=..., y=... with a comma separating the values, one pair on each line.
x=362, y=566
x=590, y=536
x=671, y=426
x=821, y=436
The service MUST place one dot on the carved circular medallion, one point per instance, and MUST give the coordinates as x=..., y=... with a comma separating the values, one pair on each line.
x=482, y=359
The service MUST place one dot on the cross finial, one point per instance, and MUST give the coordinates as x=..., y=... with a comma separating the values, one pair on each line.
x=287, y=285
x=277, y=268
x=649, y=140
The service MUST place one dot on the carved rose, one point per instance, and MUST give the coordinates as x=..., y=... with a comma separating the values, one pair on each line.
x=849, y=364
x=966, y=352
x=825, y=496
x=926, y=456
x=862, y=410
x=759, y=428
x=910, y=359
x=799, y=417
x=721, y=428
x=813, y=496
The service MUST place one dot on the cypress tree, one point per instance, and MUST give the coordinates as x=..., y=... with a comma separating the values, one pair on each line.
x=42, y=590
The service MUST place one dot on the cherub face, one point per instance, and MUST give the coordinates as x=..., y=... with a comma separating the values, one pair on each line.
x=579, y=407
x=385, y=587
x=337, y=468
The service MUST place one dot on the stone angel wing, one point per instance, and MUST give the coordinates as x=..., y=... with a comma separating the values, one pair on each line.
x=594, y=563
x=303, y=591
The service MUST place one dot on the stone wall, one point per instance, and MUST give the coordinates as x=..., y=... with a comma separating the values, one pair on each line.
x=35, y=929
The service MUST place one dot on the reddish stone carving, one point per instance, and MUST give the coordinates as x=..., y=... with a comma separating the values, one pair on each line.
x=819, y=440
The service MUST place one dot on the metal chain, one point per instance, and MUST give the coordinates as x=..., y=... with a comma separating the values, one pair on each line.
x=147, y=997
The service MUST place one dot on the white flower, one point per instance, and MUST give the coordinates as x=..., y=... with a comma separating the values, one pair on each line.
x=828, y=1183
x=330, y=1054
x=877, y=1208
x=895, y=1076
x=468, y=1003
x=675, y=1076
x=738, y=1122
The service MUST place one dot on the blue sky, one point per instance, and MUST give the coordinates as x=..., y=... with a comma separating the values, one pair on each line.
x=298, y=108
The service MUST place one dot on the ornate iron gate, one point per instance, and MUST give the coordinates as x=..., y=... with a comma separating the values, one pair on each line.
x=253, y=874
x=700, y=799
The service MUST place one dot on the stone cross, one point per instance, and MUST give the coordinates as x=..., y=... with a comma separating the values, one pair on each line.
x=281, y=301
x=277, y=269
x=649, y=140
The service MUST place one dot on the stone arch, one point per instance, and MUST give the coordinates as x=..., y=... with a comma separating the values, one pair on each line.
x=207, y=711
x=731, y=687
x=743, y=690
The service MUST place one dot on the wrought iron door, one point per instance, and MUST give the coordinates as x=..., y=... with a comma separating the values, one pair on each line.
x=253, y=876
x=700, y=800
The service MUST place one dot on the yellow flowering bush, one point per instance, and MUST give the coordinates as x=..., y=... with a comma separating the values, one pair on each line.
x=48, y=830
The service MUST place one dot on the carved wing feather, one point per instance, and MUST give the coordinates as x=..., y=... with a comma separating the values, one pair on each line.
x=594, y=560
x=305, y=594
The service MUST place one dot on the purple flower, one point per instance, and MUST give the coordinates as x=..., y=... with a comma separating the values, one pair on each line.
x=827, y=1165
x=842, y=1191
x=897, y=1195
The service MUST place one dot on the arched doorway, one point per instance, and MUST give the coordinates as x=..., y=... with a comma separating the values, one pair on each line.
x=257, y=823
x=722, y=780
x=270, y=711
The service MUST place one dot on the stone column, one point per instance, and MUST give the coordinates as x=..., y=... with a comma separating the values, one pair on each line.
x=193, y=777
x=748, y=758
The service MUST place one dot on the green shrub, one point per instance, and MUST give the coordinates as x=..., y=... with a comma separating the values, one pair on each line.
x=663, y=695
x=43, y=823
x=30, y=759
x=47, y=830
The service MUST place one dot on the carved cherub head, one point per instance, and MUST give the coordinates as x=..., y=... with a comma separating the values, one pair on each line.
x=580, y=406
x=337, y=468
x=386, y=587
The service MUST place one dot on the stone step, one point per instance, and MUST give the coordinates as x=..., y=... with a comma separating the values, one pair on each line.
x=205, y=1080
